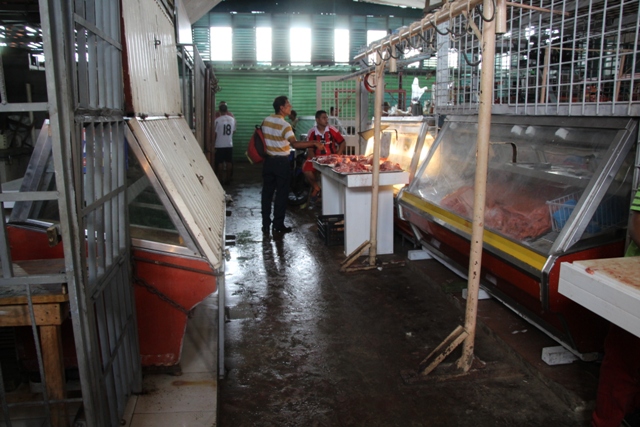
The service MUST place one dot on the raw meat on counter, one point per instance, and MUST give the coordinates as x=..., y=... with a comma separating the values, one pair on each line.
x=355, y=164
x=352, y=167
x=512, y=213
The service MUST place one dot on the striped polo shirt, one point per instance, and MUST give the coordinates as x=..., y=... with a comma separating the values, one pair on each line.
x=276, y=133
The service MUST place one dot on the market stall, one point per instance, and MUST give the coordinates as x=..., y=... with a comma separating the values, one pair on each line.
x=558, y=189
x=349, y=194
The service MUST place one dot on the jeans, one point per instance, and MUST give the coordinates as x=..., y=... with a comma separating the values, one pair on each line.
x=276, y=176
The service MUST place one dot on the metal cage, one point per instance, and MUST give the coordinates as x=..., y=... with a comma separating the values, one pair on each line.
x=557, y=57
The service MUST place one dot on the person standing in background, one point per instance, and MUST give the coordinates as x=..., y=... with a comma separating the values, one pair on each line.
x=224, y=128
x=276, y=171
x=416, y=95
x=218, y=112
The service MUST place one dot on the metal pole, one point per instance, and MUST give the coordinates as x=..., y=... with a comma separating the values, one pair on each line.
x=220, y=281
x=207, y=117
x=55, y=18
x=477, y=230
x=375, y=172
x=3, y=86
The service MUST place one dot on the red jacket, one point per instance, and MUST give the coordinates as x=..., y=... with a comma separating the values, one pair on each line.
x=331, y=137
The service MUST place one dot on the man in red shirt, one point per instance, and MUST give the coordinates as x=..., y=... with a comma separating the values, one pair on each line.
x=332, y=143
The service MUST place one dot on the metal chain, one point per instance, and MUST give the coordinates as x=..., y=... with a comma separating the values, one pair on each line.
x=141, y=282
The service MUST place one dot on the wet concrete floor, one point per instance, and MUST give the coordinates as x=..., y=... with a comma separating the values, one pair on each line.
x=307, y=345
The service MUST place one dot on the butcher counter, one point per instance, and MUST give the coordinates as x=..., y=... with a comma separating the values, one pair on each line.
x=608, y=287
x=350, y=194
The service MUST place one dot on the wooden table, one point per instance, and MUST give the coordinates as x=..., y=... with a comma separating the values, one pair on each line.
x=51, y=308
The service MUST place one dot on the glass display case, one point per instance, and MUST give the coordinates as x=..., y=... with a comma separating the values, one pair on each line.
x=408, y=141
x=558, y=189
x=151, y=224
x=537, y=175
x=177, y=261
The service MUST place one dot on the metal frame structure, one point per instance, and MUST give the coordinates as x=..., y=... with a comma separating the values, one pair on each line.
x=556, y=57
x=86, y=108
x=345, y=97
x=187, y=72
x=84, y=84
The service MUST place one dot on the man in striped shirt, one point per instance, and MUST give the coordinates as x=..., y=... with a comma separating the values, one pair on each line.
x=276, y=171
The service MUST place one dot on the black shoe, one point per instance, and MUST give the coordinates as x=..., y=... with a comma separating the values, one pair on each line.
x=283, y=229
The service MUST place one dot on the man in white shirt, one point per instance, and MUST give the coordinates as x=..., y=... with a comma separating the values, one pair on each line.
x=224, y=128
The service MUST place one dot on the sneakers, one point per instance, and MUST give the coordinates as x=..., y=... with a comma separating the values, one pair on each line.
x=282, y=230
x=314, y=199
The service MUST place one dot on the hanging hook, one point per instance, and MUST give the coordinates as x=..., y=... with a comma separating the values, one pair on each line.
x=422, y=37
x=493, y=14
x=472, y=64
x=377, y=64
x=389, y=49
x=435, y=27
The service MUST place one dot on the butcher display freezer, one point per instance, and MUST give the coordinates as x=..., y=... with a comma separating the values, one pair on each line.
x=177, y=215
x=558, y=189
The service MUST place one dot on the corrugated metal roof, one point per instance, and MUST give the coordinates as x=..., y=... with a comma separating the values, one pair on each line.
x=202, y=40
x=188, y=179
x=322, y=42
x=418, y=4
x=244, y=45
x=151, y=63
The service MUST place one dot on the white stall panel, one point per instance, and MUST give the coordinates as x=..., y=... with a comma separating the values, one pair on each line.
x=151, y=63
x=608, y=287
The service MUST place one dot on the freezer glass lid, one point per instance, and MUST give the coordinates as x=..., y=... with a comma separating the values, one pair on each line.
x=401, y=143
x=538, y=175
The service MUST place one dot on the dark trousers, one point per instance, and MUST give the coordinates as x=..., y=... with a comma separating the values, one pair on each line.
x=619, y=386
x=276, y=176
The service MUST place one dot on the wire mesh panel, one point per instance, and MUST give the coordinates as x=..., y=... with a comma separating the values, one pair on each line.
x=338, y=99
x=556, y=57
x=88, y=145
x=100, y=180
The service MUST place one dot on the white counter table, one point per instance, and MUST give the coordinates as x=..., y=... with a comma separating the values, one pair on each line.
x=350, y=195
x=608, y=287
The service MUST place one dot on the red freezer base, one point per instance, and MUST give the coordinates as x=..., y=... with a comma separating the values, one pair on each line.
x=161, y=326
